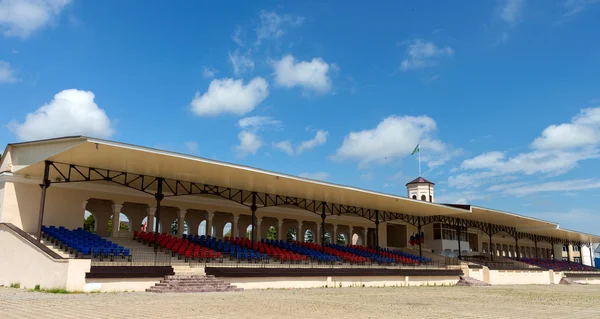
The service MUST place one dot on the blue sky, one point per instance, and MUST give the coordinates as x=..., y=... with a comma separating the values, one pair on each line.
x=503, y=97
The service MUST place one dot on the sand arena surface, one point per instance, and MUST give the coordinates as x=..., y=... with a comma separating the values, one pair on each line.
x=552, y=301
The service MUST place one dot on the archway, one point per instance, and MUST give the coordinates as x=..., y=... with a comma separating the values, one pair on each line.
x=145, y=224
x=227, y=230
x=272, y=233
x=291, y=235
x=202, y=229
x=309, y=237
x=89, y=221
x=357, y=239
x=124, y=224
x=341, y=239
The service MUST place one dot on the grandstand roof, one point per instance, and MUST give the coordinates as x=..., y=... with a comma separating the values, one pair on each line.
x=104, y=154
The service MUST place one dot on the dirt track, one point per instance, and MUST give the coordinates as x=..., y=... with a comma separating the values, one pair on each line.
x=555, y=301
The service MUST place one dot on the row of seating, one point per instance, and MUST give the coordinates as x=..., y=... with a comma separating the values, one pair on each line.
x=83, y=243
x=179, y=247
x=560, y=265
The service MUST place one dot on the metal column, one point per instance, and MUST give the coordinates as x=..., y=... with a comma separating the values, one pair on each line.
x=159, y=197
x=44, y=185
x=377, y=231
x=253, y=209
x=458, y=237
x=419, y=232
x=492, y=252
x=323, y=215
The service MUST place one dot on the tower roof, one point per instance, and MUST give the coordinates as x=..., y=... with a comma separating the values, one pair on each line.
x=419, y=180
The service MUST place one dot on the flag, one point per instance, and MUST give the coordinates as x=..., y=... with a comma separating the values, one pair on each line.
x=416, y=150
x=412, y=240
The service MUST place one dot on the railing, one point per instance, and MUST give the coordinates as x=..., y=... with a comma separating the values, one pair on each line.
x=235, y=262
x=498, y=265
x=136, y=258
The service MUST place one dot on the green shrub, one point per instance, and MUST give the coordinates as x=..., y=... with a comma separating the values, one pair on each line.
x=15, y=285
x=37, y=288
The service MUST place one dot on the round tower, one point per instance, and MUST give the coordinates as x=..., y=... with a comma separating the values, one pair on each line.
x=420, y=189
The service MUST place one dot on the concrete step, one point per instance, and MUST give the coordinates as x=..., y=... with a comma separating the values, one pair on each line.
x=191, y=283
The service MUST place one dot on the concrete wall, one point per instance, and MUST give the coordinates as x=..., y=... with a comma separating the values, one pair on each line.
x=22, y=262
x=119, y=284
x=522, y=277
x=337, y=282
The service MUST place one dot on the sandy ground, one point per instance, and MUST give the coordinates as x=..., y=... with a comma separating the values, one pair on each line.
x=404, y=302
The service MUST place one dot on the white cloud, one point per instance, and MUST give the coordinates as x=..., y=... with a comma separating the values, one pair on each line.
x=311, y=75
x=573, y=7
x=554, y=186
x=209, y=73
x=464, y=197
x=230, y=96
x=319, y=139
x=321, y=176
x=394, y=138
x=285, y=146
x=71, y=112
x=191, y=146
x=7, y=73
x=241, y=63
x=511, y=11
x=558, y=150
x=423, y=54
x=583, y=130
x=258, y=122
x=273, y=26
x=237, y=36
x=249, y=143
x=20, y=18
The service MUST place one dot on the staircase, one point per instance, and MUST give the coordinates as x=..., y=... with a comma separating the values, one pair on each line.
x=192, y=283
x=56, y=249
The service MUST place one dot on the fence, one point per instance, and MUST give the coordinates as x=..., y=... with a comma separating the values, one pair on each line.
x=136, y=258
x=235, y=262
x=498, y=265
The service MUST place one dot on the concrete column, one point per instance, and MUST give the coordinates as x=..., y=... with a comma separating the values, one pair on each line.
x=299, y=234
x=365, y=240
x=209, y=219
x=258, y=229
x=334, y=235
x=280, y=230
x=235, y=232
x=150, y=221
x=116, y=221
x=349, y=239
x=181, y=222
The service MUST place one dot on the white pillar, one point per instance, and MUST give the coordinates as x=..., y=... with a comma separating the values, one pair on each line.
x=366, y=231
x=334, y=237
x=150, y=221
x=209, y=219
x=181, y=222
x=280, y=229
x=235, y=231
x=116, y=222
x=299, y=234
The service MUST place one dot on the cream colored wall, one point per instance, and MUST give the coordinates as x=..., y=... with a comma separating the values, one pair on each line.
x=120, y=284
x=336, y=281
x=23, y=263
x=421, y=189
x=519, y=277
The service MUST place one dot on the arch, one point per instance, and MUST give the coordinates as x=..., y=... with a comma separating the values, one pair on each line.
x=328, y=238
x=414, y=196
x=423, y=198
x=228, y=230
x=145, y=224
x=341, y=240
x=202, y=228
x=89, y=221
x=291, y=235
x=357, y=239
x=248, y=233
x=124, y=223
x=272, y=233
x=309, y=236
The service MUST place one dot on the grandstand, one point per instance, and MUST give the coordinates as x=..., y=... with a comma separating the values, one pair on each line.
x=200, y=225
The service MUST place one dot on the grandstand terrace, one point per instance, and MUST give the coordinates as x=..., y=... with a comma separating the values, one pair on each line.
x=195, y=225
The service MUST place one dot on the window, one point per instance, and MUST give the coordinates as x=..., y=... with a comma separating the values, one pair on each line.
x=577, y=260
x=565, y=248
x=575, y=248
x=414, y=197
x=447, y=232
x=423, y=197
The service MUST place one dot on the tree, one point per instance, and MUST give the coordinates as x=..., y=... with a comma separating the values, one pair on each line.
x=341, y=239
x=309, y=237
x=124, y=226
x=89, y=223
x=327, y=238
x=272, y=233
x=227, y=234
x=291, y=235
